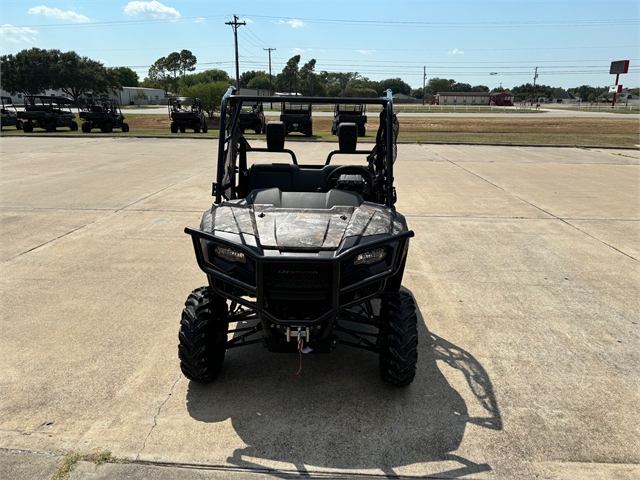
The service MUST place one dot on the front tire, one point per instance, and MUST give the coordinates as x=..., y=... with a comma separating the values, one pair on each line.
x=203, y=335
x=174, y=127
x=27, y=127
x=125, y=127
x=399, y=339
x=86, y=127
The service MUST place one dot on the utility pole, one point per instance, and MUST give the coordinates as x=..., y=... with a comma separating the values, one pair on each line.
x=424, y=83
x=270, y=50
x=235, y=24
x=535, y=77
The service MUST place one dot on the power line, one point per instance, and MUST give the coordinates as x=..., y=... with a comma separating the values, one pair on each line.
x=510, y=24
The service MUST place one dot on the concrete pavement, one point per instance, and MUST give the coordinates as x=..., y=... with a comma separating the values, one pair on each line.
x=525, y=271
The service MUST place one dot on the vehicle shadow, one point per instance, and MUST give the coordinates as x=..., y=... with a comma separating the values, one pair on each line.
x=337, y=414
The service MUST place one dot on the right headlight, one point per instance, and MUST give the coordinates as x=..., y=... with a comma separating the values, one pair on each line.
x=371, y=257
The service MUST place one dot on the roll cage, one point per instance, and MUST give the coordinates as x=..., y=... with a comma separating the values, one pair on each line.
x=233, y=147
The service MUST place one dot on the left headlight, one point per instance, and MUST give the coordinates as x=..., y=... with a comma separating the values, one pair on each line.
x=371, y=257
x=229, y=254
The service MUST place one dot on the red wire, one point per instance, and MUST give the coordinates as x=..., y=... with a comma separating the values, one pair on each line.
x=300, y=353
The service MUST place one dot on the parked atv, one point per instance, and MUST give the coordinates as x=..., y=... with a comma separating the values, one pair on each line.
x=103, y=113
x=48, y=113
x=9, y=117
x=301, y=257
x=187, y=112
x=297, y=117
x=252, y=119
x=350, y=113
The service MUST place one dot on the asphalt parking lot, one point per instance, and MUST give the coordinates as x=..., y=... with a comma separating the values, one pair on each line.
x=524, y=266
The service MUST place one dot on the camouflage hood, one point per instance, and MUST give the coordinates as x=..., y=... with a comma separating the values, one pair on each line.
x=301, y=229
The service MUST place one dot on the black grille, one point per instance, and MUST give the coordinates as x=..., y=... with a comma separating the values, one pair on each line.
x=298, y=277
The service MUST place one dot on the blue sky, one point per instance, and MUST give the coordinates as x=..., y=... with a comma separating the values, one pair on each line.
x=490, y=43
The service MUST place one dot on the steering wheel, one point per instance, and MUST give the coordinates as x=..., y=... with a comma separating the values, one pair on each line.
x=352, y=170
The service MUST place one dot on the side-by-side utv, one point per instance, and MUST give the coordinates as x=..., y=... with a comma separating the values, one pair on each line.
x=102, y=113
x=49, y=113
x=302, y=254
x=187, y=112
x=9, y=114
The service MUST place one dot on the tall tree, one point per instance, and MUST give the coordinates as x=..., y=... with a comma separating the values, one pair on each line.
x=310, y=83
x=287, y=80
x=187, y=62
x=29, y=72
x=208, y=76
x=127, y=77
x=158, y=75
x=78, y=75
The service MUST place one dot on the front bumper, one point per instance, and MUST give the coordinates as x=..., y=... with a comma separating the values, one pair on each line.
x=346, y=285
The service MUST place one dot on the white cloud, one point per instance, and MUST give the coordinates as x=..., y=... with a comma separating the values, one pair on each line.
x=153, y=10
x=455, y=51
x=57, y=13
x=199, y=20
x=12, y=34
x=295, y=23
x=248, y=20
x=298, y=50
x=366, y=52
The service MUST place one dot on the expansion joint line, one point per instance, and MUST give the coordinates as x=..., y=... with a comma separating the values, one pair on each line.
x=532, y=205
x=155, y=417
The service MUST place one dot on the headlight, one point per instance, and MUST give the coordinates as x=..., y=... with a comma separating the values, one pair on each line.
x=371, y=257
x=229, y=254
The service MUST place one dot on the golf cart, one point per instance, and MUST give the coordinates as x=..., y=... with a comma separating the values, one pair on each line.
x=301, y=256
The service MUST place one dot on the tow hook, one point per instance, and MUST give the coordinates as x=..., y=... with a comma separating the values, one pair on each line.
x=299, y=334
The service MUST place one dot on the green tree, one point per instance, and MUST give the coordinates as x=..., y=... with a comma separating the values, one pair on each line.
x=127, y=77
x=139, y=96
x=336, y=82
x=158, y=76
x=210, y=93
x=310, y=82
x=362, y=92
x=187, y=62
x=246, y=77
x=287, y=80
x=397, y=85
x=29, y=72
x=78, y=75
x=260, y=82
x=435, y=85
x=208, y=76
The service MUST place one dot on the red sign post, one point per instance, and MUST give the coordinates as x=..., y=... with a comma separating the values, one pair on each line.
x=618, y=67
